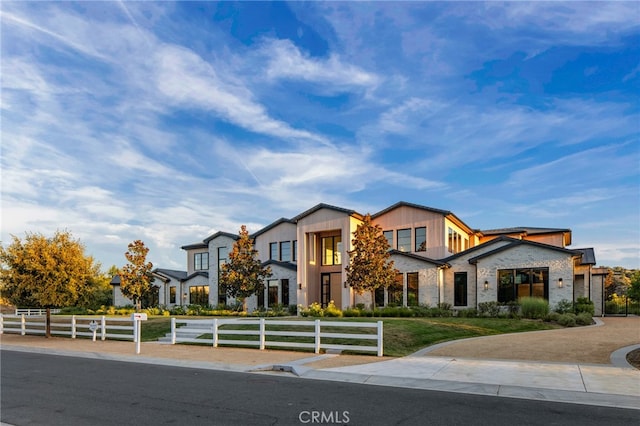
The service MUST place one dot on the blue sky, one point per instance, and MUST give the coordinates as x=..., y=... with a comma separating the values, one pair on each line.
x=167, y=122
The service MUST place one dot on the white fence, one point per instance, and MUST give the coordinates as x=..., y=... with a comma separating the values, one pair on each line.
x=277, y=333
x=35, y=311
x=74, y=326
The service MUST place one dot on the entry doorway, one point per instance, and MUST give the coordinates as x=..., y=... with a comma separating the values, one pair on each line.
x=331, y=289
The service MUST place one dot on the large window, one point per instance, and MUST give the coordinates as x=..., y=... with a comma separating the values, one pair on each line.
x=412, y=289
x=273, y=251
x=516, y=283
x=404, y=240
x=285, y=292
x=379, y=296
x=272, y=285
x=201, y=261
x=199, y=295
x=395, y=291
x=294, y=253
x=223, y=252
x=331, y=250
x=172, y=295
x=460, y=289
x=285, y=251
x=456, y=243
x=389, y=236
x=421, y=239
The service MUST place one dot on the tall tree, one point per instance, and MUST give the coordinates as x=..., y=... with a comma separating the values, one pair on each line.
x=370, y=266
x=634, y=288
x=243, y=275
x=135, y=276
x=46, y=272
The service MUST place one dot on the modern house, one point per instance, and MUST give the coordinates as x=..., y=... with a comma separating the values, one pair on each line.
x=440, y=259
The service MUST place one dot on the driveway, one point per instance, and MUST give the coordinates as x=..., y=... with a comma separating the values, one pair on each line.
x=584, y=345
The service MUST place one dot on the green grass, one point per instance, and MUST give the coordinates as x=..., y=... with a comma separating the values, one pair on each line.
x=402, y=336
x=154, y=328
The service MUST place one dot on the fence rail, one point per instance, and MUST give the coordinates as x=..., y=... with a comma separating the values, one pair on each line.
x=74, y=326
x=291, y=334
x=35, y=311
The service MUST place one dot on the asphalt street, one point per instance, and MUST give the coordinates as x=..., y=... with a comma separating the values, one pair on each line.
x=38, y=389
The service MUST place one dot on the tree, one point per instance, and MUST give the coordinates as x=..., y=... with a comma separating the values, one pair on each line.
x=243, y=275
x=370, y=266
x=135, y=276
x=634, y=289
x=46, y=272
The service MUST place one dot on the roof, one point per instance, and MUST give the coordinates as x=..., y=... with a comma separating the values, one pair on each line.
x=115, y=280
x=195, y=274
x=523, y=230
x=287, y=265
x=172, y=273
x=445, y=213
x=271, y=226
x=194, y=246
x=329, y=207
x=514, y=242
x=588, y=256
x=478, y=247
x=417, y=257
x=220, y=234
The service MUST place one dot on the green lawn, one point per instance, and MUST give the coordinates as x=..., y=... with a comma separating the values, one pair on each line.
x=402, y=336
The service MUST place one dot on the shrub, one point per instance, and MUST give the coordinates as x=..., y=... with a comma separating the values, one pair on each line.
x=534, y=307
x=313, y=310
x=513, y=308
x=584, y=318
x=488, y=309
x=567, y=320
x=552, y=316
x=332, y=311
x=352, y=312
x=293, y=310
x=468, y=313
x=421, y=311
x=564, y=306
x=583, y=304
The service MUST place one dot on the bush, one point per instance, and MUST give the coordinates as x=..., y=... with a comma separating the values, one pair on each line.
x=564, y=306
x=584, y=318
x=514, y=308
x=534, y=307
x=293, y=310
x=488, y=309
x=583, y=304
x=567, y=320
x=314, y=310
x=332, y=311
x=468, y=313
x=552, y=316
x=352, y=312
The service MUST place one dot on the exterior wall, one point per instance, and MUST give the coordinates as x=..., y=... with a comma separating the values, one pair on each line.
x=119, y=299
x=214, y=244
x=310, y=230
x=551, y=239
x=597, y=289
x=522, y=256
x=282, y=232
x=428, y=284
x=195, y=281
x=405, y=217
x=278, y=273
x=190, y=262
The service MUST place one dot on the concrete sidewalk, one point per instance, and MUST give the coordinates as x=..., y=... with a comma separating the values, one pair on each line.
x=603, y=385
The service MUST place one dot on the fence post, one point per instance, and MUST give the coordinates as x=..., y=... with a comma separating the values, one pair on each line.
x=380, y=346
x=1, y=323
x=262, y=334
x=103, y=328
x=135, y=330
x=23, y=326
x=214, y=330
x=317, y=348
x=73, y=326
x=173, y=331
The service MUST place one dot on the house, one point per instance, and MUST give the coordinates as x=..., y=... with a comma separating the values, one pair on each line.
x=440, y=259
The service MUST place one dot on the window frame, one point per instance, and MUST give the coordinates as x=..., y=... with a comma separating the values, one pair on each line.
x=422, y=244
x=460, y=289
x=282, y=251
x=335, y=250
x=413, y=294
x=273, y=251
x=408, y=243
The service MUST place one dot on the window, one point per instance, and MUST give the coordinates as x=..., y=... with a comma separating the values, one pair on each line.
x=389, y=236
x=516, y=283
x=294, y=253
x=455, y=242
x=412, y=289
x=331, y=250
x=199, y=295
x=272, y=298
x=172, y=295
x=285, y=251
x=460, y=289
x=201, y=261
x=285, y=291
x=404, y=239
x=223, y=252
x=395, y=291
x=379, y=296
x=273, y=251
x=421, y=239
